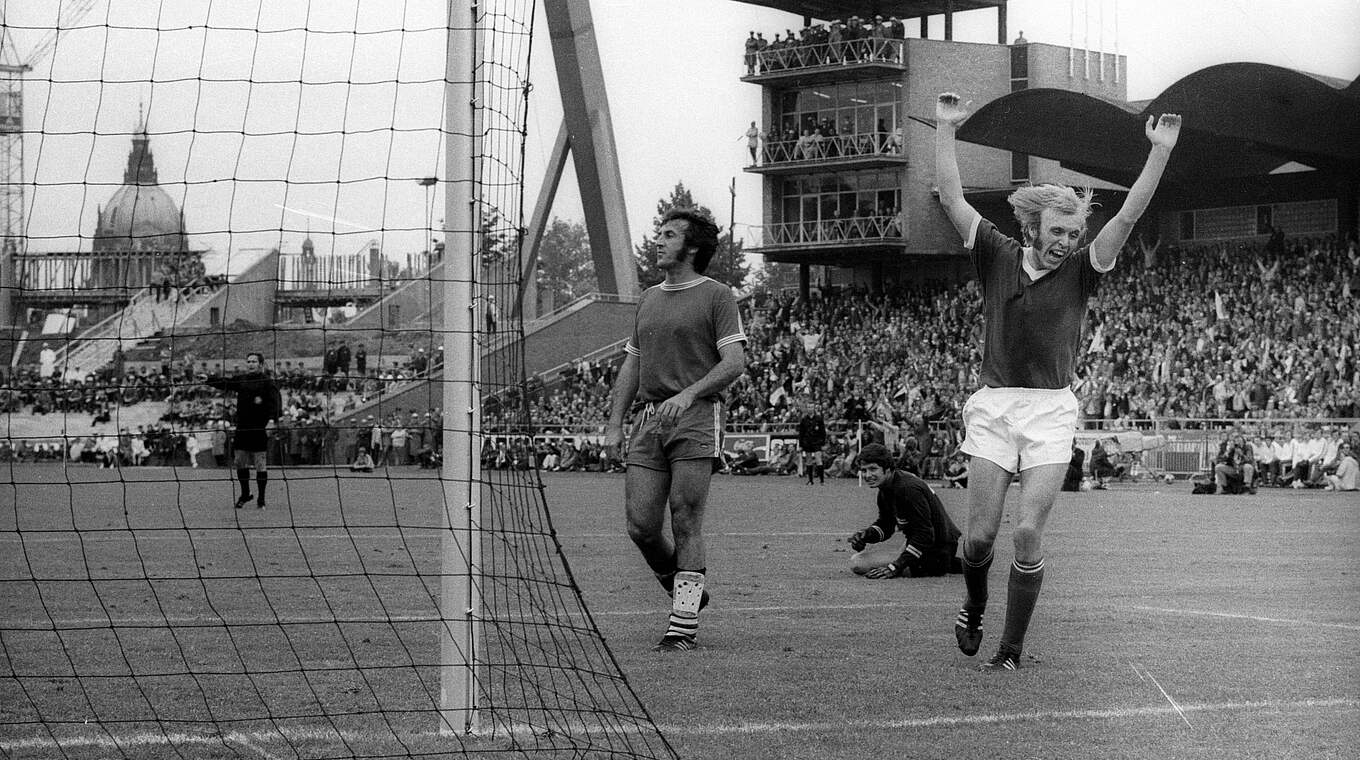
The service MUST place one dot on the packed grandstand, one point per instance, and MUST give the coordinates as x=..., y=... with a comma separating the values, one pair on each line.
x=1225, y=336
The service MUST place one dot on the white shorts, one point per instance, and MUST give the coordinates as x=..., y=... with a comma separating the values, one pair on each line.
x=1020, y=428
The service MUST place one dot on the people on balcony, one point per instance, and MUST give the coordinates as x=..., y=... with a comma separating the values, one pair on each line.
x=853, y=40
x=822, y=141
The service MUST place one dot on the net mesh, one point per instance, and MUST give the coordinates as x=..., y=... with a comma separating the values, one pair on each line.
x=200, y=181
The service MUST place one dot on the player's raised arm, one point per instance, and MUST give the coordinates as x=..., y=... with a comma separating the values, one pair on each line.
x=1162, y=133
x=949, y=114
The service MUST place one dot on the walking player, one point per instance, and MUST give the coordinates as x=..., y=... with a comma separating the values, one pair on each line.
x=687, y=347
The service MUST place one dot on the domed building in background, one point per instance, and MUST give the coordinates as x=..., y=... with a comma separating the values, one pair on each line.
x=139, y=237
x=140, y=216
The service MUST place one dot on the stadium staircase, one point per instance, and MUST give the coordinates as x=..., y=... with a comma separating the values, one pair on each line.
x=593, y=326
x=141, y=319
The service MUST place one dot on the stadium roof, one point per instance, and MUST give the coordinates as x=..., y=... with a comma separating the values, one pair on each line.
x=1239, y=120
x=903, y=9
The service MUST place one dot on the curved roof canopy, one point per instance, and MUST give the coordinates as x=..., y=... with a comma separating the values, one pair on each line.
x=1239, y=120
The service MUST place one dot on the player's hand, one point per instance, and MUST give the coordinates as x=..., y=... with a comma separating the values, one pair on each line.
x=668, y=412
x=950, y=110
x=886, y=571
x=1164, y=131
x=613, y=441
x=857, y=541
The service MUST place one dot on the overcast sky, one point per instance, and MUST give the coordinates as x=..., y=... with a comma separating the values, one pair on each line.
x=247, y=160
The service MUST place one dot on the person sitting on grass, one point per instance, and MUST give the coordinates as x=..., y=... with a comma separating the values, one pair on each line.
x=1103, y=466
x=1076, y=469
x=362, y=461
x=909, y=505
x=1235, y=466
x=956, y=470
x=1347, y=474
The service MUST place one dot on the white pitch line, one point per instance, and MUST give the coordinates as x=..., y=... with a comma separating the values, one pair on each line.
x=149, y=738
x=252, y=744
x=1147, y=675
x=995, y=718
x=1256, y=618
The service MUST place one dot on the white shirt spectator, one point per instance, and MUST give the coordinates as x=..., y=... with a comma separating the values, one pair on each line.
x=1347, y=477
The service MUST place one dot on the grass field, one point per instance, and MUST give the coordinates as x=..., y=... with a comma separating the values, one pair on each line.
x=1170, y=625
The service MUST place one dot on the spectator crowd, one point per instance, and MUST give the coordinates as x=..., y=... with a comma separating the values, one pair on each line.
x=1203, y=335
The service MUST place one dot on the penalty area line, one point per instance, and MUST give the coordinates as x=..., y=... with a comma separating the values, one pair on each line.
x=253, y=740
x=1255, y=618
x=943, y=721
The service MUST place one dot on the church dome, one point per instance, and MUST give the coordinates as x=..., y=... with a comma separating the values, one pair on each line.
x=140, y=216
x=144, y=216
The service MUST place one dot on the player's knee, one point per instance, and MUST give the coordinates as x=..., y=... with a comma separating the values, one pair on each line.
x=977, y=549
x=1026, y=538
x=978, y=542
x=644, y=533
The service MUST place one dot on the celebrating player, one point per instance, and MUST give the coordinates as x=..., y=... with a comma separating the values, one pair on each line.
x=258, y=404
x=687, y=347
x=1024, y=418
x=908, y=504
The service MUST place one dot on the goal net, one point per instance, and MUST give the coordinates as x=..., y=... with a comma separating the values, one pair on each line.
x=335, y=188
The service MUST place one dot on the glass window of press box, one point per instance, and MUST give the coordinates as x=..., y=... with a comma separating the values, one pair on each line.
x=828, y=197
x=850, y=108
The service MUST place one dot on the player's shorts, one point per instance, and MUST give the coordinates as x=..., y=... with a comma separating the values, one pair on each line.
x=1020, y=428
x=256, y=459
x=696, y=435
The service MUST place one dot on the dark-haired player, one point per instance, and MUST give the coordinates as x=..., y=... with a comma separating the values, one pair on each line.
x=908, y=505
x=1024, y=418
x=258, y=404
x=687, y=347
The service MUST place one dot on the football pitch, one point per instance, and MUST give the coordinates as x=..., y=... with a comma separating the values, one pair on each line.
x=1170, y=625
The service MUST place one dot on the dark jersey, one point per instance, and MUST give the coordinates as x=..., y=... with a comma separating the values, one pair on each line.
x=1033, y=327
x=812, y=433
x=257, y=402
x=679, y=335
x=907, y=504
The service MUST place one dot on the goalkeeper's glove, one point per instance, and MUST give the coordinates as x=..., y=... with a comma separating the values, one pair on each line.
x=890, y=570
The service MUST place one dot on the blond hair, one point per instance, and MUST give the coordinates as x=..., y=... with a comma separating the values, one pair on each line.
x=1029, y=202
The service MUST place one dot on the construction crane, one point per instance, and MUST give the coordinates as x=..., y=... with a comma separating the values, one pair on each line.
x=13, y=67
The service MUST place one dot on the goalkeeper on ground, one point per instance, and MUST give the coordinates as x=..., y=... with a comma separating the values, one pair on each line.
x=906, y=504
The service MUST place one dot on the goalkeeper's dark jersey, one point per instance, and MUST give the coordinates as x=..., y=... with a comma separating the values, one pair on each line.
x=257, y=402
x=907, y=503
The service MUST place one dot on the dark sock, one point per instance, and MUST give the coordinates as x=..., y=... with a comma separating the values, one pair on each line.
x=665, y=570
x=261, y=479
x=243, y=475
x=975, y=580
x=1023, y=590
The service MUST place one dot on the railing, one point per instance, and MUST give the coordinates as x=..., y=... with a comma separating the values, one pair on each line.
x=347, y=271
x=846, y=52
x=822, y=148
x=112, y=270
x=855, y=229
x=576, y=304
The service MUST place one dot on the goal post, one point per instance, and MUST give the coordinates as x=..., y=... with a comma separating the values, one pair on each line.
x=461, y=545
